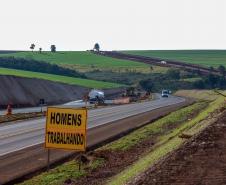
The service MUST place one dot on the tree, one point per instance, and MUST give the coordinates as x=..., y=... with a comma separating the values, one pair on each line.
x=147, y=85
x=212, y=80
x=222, y=82
x=199, y=84
x=40, y=50
x=211, y=68
x=221, y=69
x=32, y=47
x=53, y=48
x=97, y=47
x=173, y=74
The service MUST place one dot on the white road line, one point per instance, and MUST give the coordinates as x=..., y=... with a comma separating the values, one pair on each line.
x=96, y=118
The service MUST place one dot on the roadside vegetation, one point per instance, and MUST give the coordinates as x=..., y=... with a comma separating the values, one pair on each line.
x=59, y=78
x=157, y=128
x=207, y=58
x=207, y=95
x=62, y=173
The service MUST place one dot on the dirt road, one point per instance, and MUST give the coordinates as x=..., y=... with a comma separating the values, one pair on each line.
x=202, y=160
x=157, y=61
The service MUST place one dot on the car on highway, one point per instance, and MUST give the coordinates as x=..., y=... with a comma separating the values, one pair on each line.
x=165, y=93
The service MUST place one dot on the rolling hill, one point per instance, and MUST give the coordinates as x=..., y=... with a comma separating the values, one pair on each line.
x=206, y=58
x=59, y=78
x=80, y=60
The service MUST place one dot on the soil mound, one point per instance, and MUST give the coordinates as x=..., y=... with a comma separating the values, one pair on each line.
x=25, y=92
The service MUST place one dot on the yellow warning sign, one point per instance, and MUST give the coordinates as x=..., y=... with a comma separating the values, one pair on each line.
x=66, y=128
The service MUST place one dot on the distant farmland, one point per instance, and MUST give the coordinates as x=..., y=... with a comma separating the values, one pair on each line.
x=206, y=58
x=59, y=78
x=81, y=60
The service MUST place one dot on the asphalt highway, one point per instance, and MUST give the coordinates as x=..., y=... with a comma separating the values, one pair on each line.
x=15, y=137
x=77, y=103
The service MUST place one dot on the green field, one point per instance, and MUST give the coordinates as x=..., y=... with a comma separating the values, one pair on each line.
x=58, y=78
x=81, y=60
x=202, y=57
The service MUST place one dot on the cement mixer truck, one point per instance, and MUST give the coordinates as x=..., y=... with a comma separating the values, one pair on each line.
x=96, y=96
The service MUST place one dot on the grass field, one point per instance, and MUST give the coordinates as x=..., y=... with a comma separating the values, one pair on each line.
x=202, y=57
x=208, y=95
x=58, y=78
x=82, y=61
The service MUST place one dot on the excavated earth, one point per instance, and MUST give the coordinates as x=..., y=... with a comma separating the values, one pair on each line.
x=25, y=92
x=201, y=160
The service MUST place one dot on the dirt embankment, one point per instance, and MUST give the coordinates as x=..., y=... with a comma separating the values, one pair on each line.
x=202, y=160
x=23, y=92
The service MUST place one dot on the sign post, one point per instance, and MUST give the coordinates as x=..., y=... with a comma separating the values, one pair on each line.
x=65, y=129
x=41, y=103
x=48, y=159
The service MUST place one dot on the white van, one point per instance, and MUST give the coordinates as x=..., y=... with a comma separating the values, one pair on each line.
x=165, y=93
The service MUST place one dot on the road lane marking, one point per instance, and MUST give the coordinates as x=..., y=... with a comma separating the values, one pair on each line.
x=178, y=100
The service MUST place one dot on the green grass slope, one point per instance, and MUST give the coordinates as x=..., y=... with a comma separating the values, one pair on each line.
x=58, y=78
x=80, y=60
x=202, y=57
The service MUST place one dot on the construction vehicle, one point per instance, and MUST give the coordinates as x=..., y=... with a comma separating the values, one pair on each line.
x=96, y=96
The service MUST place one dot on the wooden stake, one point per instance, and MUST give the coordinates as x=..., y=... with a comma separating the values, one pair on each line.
x=80, y=162
x=48, y=159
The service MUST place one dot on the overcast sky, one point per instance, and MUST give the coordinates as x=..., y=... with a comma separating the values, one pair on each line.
x=114, y=24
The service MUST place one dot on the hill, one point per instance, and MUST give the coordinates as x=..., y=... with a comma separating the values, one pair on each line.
x=60, y=78
x=92, y=66
x=206, y=58
x=80, y=60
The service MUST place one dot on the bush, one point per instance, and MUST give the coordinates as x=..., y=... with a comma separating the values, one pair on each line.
x=173, y=73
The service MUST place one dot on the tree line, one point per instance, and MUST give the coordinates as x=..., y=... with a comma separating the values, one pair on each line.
x=37, y=66
x=173, y=79
x=52, y=48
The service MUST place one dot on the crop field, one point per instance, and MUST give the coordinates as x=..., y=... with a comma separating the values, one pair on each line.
x=206, y=58
x=83, y=61
x=58, y=78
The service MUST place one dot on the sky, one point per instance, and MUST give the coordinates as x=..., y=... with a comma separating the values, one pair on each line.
x=114, y=24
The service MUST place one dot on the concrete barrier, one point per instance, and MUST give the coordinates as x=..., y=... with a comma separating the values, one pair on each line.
x=121, y=100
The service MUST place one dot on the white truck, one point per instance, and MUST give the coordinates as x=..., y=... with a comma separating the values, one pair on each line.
x=96, y=95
